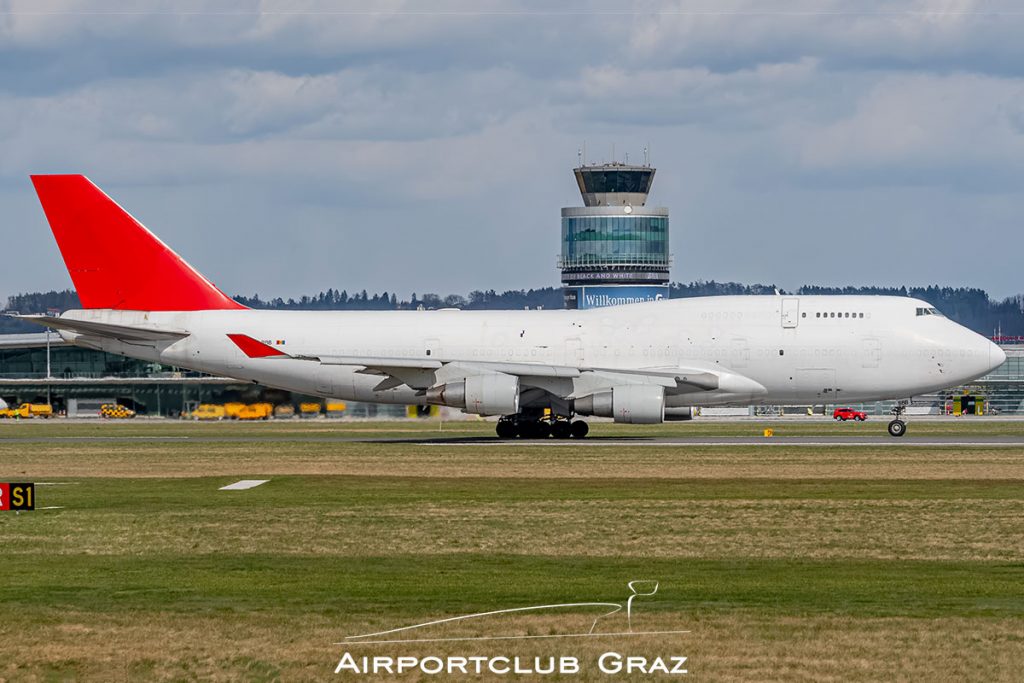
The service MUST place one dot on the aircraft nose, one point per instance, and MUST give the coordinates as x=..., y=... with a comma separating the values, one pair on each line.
x=973, y=356
x=996, y=356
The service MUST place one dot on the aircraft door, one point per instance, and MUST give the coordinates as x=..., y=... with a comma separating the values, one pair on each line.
x=574, y=351
x=790, y=312
x=432, y=347
x=324, y=381
x=739, y=353
x=235, y=358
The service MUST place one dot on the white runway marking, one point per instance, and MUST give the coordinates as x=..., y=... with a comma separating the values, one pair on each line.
x=51, y=507
x=244, y=484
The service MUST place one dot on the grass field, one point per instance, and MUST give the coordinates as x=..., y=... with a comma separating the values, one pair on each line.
x=784, y=562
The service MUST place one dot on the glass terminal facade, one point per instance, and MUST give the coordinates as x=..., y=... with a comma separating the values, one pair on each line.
x=84, y=377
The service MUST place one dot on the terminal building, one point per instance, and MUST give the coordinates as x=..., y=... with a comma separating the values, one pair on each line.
x=615, y=249
x=42, y=368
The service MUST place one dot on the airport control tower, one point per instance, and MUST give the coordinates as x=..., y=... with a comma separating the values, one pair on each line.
x=614, y=248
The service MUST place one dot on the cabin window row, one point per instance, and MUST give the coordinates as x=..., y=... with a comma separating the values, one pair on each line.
x=835, y=314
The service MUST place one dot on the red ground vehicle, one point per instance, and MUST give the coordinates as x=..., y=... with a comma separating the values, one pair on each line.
x=845, y=414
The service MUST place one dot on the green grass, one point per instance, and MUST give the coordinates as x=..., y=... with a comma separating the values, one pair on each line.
x=409, y=587
x=785, y=562
x=200, y=495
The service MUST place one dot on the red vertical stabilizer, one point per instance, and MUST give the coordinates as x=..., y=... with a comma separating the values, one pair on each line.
x=113, y=260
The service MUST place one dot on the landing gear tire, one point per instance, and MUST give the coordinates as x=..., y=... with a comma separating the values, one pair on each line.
x=561, y=429
x=506, y=429
x=579, y=429
x=897, y=428
x=532, y=429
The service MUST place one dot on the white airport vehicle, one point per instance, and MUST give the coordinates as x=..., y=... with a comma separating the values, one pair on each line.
x=537, y=370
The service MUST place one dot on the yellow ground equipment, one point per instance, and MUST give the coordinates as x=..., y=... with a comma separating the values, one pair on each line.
x=256, y=411
x=310, y=409
x=208, y=411
x=335, y=408
x=968, y=405
x=114, y=411
x=231, y=410
x=284, y=410
x=28, y=410
x=422, y=411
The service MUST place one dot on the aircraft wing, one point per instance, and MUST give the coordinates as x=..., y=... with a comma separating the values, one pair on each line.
x=129, y=333
x=423, y=373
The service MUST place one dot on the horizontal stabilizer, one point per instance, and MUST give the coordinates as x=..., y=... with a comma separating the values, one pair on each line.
x=255, y=348
x=88, y=327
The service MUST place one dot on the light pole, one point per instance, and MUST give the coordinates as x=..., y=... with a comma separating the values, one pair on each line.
x=48, y=374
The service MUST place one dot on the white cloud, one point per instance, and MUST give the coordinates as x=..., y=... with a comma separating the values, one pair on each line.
x=403, y=149
x=924, y=121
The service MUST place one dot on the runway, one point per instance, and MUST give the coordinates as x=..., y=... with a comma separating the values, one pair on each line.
x=815, y=441
x=705, y=441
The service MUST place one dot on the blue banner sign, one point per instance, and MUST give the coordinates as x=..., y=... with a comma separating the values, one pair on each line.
x=597, y=297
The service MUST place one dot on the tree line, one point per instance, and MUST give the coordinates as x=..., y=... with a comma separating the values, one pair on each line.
x=335, y=300
x=972, y=307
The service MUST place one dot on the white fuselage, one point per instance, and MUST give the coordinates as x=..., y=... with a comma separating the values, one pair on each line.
x=806, y=349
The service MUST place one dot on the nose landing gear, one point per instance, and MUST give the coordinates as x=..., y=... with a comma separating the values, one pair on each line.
x=898, y=427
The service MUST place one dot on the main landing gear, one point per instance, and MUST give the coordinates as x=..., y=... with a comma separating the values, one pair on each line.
x=898, y=427
x=519, y=426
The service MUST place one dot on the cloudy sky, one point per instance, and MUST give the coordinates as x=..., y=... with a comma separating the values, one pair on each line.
x=287, y=147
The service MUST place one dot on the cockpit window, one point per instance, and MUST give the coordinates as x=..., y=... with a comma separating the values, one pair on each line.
x=929, y=311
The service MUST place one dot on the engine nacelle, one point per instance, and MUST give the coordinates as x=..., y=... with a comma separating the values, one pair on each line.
x=491, y=394
x=630, y=403
x=679, y=413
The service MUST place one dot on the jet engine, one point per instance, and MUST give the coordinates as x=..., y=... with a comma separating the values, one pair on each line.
x=491, y=394
x=679, y=413
x=631, y=403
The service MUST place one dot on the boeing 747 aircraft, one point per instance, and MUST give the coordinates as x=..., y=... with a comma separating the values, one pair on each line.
x=641, y=363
